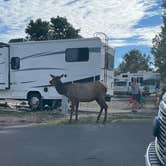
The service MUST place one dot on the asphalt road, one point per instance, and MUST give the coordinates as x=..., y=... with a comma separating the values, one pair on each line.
x=118, y=144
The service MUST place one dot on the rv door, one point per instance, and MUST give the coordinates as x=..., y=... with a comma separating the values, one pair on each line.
x=4, y=67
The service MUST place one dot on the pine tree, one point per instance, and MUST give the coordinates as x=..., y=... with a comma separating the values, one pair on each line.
x=134, y=61
x=57, y=28
x=159, y=46
x=37, y=30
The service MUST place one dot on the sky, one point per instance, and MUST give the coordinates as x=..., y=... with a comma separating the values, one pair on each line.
x=129, y=24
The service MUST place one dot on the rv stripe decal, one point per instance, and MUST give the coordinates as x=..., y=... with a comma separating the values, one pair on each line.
x=2, y=62
x=89, y=79
x=33, y=55
x=27, y=82
x=42, y=54
x=41, y=68
x=93, y=49
x=52, y=53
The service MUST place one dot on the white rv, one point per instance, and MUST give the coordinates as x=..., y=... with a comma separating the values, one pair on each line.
x=25, y=67
x=148, y=81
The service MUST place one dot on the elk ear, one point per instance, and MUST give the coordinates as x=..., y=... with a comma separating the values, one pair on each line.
x=63, y=75
x=52, y=76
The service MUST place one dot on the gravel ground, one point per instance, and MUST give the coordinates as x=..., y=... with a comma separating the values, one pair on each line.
x=118, y=105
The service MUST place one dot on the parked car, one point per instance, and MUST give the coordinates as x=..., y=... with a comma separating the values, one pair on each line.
x=156, y=151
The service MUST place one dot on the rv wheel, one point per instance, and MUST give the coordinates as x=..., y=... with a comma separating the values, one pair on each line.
x=34, y=101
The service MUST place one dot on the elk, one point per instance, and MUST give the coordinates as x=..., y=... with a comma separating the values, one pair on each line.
x=81, y=92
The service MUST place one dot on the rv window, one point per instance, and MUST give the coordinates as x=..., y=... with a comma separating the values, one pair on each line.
x=77, y=55
x=109, y=61
x=140, y=80
x=149, y=82
x=15, y=63
x=120, y=83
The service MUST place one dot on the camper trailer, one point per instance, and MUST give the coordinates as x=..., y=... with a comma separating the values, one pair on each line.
x=25, y=67
x=149, y=82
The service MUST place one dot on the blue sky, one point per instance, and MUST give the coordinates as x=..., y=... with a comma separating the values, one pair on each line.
x=128, y=23
x=145, y=22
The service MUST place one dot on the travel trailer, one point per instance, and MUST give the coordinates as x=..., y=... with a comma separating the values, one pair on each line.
x=25, y=67
x=148, y=81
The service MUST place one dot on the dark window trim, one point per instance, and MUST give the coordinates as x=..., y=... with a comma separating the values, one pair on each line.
x=71, y=61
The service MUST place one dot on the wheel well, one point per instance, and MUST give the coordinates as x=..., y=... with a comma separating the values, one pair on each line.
x=29, y=94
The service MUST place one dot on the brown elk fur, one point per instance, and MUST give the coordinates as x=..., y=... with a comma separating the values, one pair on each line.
x=82, y=92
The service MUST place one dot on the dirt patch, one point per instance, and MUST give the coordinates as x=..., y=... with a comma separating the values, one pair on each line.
x=10, y=117
x=120, y=105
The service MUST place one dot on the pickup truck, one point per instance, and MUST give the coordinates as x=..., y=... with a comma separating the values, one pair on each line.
x=156, y=151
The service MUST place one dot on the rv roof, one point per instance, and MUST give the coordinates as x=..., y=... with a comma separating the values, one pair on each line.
x=4, y=44
x=62, y=40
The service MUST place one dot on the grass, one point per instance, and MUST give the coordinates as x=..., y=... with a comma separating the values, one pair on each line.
x=91, y=119
x=9, y=116
x=48, y=118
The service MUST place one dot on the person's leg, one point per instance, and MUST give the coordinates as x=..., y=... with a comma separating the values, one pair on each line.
x=134, y=104
x=138, y=101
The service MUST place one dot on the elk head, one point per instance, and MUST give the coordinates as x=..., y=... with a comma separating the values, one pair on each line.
x=56, y=79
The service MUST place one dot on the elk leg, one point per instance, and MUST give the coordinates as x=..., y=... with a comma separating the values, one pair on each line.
x=99, y=102
x=98, y=117
x=71, y=113
x=77, y=105
x=105, y=115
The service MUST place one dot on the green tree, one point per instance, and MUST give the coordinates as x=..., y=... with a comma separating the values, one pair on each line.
x=37, y=30
x=159, y=46
x=60, y=28
x=57, y=28
x=134, y=61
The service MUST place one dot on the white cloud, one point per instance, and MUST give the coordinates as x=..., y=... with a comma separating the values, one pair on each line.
x=116, y=18
x=139, y=36
x=148, y=33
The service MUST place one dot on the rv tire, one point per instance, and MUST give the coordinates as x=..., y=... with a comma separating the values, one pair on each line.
x=34, y=101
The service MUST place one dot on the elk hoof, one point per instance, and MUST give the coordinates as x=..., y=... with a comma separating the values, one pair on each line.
x=104, y=122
